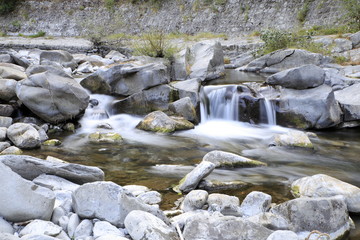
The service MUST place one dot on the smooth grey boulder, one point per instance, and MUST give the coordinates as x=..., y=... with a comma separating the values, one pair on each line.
x=225, y=204
x=321, y=185
x=22, y=200
x=12, y=71
x=227, y=227
x=292, y=138
x=217, y=185
x=6, y=227
x=41, y=227
x=310, y=108
x=58, y=213
x=6, y=58
x=189, y=88
x=103, y=228
x=84, y=229
x=8, y=236
x=109, y=202
x=7, y=89
x=4, y=145
x=307, y=76
x=255, y=203
x=136, y=190
x=194, y=200
x=30, y=167
x=282, y=235
x=349, y=101
x=192, y=179
x=60, y=57
x=284, y=59
x=327, y=215
x=355, y=39
x=204, y=60
x=226, y=159
x=2, y=134
x=151, y=197
x=23, y=135
x=55, y=183
x=11, y=151
x=6, y=110
x=144, y=225
x=183, y=218
x=146, y=101
x=61, y=97
x=72, y=224
x=184, y=108
x=126, y=79
x=5, y=121
x=35, y=68
x=270, y=221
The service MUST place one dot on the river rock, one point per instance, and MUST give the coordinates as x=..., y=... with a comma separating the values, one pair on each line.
x=6, y=58
x=84, y=229
x=225, y=204
x=35, y=68
x=40, y=227
x=282, y=235
x=7, y=89
x=226, y=159
x=8, y=236
x=102, y=228
x=72, y=224
x=4, y=145
x=52, y=142
x=189, y=88
x=216, y=185
x=151, y=197
x=108, y=201
x=321, y=185
x=136, y=190
x=307, y=76
x=12, y=71
x=181, y=219
x=5, y=121
x=23, y=135
x=3, y=134
x=100, y=137
x=284, y=59
x=270, y=221
x=349, y=102
x=111, y=237
x=292, y=138
x=116, y=56
x=55, y=183
x=194, y=200
x=30, y=167
x=227, y=227
x=6, y=110
x=192, y=179
x=255, y=203
x=184, y=108
x=21, y=200
x=204, y=60
x=310, y=108
x=60, y=57
x=355, y=39
x=327, y=215
x=144, y=225
x=126, y=79
x=61, y=97
x=12, y=150
x=6, y=227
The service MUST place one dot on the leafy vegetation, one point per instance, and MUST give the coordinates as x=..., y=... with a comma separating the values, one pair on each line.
x=7, y=6
x=303, y=12
x=38, y=34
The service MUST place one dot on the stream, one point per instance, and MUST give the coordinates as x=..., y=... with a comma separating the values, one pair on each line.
x=160, y=161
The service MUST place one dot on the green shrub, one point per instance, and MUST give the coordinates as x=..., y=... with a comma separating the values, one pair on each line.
x=109, y=4
x=352, y=8
x=303, y=12
x=7, y=6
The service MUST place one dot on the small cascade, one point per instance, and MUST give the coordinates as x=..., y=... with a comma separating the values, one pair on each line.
x=270, y=111
x=219, y=102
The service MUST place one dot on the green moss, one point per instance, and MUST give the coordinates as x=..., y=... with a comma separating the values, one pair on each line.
x=52, y=142
x=295, y=191
x=177, y=187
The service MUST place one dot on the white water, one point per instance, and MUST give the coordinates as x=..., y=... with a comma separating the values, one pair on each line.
x=270, y=111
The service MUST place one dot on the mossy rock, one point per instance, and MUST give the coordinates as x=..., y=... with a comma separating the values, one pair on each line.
x=52, y=142
x=293, y=139
x=182, y=124
x=12, y=151
x=105, y=137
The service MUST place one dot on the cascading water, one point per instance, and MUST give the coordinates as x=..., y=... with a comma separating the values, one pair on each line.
x=270, y=111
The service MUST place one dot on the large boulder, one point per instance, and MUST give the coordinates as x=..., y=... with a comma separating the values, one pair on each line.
x=204, y=60
x=184, y=108
x=255, y=203
x=292, y=138
x=219, y=228
x=284, y=59
x=226, y=159
x=126, y=79
x=22, y=200
x=189, y=88
x=194, y=200
x=307, y=76
x=310, y=108
x=30, y=167
x=144, y=225
x=7, y=89
x=12, y=71
x=58, y=57
x=327, y=215
x=53, y=96
x=321, y=185
x=349, y=101
x=23, y=135
x=225, y=204
x=108, y=201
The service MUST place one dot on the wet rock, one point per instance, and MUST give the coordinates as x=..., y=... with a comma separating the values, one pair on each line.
x=30, y=167
x=255, y=203
x=204, y=60
x=327, y=215
x=24, y=135
x=7, y=89
x=270, y=221
x=52, y=142
x=355, y=39
x=321, y=185
x=284, y=59
x=61, y=97
x=84, y=229
x=105, y=137
x=226, y=159
x=151, y=197
x=225, y=204
x=6, y=110
x=310, y=108
x=55, y=183
x=307, y=76
x=102, y=228
x=349, y=102
x=4, y=145
x=192, y=179
x=22, y=200
x=12, y=71
x=6, y=227
x=40, y=227
x=184, y=108
x=282, y=235
x=194, y=200
x=292, y=138
x=227, y=227
x=59, y=57
x=143, y=225
x=189, y=88
x=11, y=151
x=215, y=185
x=5, y=121
x=181, y=123
x=108, y=201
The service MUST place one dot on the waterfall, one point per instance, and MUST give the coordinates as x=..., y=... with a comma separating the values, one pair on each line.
x=270, y=111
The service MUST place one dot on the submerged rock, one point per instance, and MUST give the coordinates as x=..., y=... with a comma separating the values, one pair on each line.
x=226, y=159
x=105, y=137
x=215, y=185
x=292, y=138
x=321, y=185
